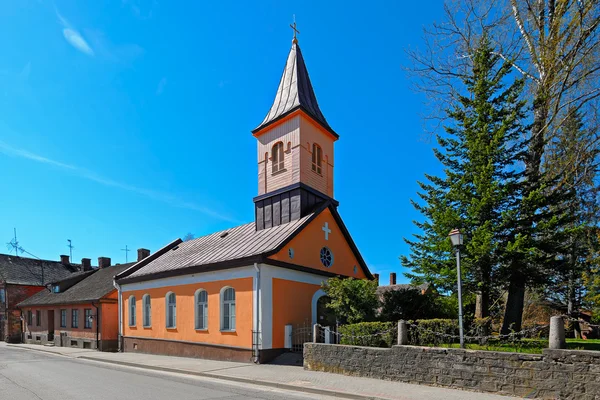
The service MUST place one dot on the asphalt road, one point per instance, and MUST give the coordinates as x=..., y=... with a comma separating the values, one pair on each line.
x=31, y=375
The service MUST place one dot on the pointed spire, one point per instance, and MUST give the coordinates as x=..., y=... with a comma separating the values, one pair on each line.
x=295, y=92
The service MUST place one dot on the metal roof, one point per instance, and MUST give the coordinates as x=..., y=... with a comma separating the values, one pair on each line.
x=92, y=288
x=34, y=272
x=295, y=92
x=231, y=244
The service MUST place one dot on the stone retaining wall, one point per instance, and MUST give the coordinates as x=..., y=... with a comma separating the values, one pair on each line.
x=555, y=374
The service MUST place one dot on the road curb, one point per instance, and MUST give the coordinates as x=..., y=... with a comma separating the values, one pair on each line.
x=56, y=353
x=325, y=392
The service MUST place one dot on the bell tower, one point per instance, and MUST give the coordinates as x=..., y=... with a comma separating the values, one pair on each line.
x=295, y=150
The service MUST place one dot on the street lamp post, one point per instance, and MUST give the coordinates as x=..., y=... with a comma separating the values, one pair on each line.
x=457, y=240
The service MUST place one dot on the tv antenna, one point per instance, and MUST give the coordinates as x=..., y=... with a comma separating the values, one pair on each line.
x=126, y=250
x=14, y=245
x=71, y=247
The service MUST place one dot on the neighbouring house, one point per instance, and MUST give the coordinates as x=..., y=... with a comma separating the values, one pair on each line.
x=79, y=311
x=20, y=278
x=249, y=292
x=424, y=288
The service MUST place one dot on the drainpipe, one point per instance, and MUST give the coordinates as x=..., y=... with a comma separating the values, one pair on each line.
x=118, y=287
x=97, y=325
x=257, y=314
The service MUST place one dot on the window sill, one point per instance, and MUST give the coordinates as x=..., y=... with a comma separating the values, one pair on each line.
x=281, y=171
x=148, y=326
x=315, y=172
x=202, y=330
x=171, y=328
x=227, y=330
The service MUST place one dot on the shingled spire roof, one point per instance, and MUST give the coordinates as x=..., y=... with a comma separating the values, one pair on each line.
x=295, y=92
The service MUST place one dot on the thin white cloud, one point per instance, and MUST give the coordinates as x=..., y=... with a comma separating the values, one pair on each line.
x=77, y=41
x=92, y=176
x=73, y=37
x=161, y=86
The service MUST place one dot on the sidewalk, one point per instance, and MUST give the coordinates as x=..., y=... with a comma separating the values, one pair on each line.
x=280, y=376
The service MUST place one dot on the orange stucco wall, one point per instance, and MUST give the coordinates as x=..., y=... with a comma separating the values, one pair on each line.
x=308, y=243
x=109, y=321
x=292, y=304
x=185, y=314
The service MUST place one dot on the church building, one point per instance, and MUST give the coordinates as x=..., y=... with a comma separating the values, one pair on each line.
x=230, y=295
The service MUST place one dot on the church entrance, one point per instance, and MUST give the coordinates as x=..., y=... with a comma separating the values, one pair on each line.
x=327, y=320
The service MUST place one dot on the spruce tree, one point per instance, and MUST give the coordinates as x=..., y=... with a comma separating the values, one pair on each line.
x=480, y=149
x=572, y=157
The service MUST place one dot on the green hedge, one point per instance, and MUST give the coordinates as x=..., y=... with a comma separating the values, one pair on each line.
x=425, y=333
x=368, y=334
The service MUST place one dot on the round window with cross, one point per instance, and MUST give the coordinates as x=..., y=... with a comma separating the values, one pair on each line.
x=326, y=257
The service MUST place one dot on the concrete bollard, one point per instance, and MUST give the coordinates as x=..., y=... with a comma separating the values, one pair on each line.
x=316, y=333
x=557, y=333
x=402, y=333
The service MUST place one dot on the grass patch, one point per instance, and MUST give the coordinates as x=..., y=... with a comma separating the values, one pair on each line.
x=529, y=346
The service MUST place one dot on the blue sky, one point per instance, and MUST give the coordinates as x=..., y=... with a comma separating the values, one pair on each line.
x=128, y=122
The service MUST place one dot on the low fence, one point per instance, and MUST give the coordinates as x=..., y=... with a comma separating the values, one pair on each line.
x=556, y=373
x=562, y=374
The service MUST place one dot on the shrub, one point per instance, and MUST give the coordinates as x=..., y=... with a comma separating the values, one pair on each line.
x=369, y=334
x=431, y=331
x=352, y=300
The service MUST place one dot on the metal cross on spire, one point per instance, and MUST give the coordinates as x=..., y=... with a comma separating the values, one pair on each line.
x=296, y=31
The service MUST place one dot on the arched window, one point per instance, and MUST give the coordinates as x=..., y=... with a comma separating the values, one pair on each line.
x=277, y=157
x=228, y=309
x=201, y=309
x=171, y=310
x=131, y=310
x=147, y=311
x=317, y=158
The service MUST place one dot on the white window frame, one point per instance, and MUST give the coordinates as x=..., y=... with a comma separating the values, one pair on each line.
x=75, y=318
x=168, y=311
x=317, y=159
x=201, y=324
x=132, y=311
x=230, y=305
x=146, y=311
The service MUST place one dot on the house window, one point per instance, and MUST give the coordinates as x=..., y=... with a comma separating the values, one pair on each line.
x=56, y=289
x=87, y=324
x=317, y=159
x=201, y=309
x=147, y=313
x=38, y=318
x=277, y=157
x=131, y=310
x=228, y=309
x=2, y=296
x=75, y=318
x=63, y=318
x=171, y=310
x=29, y=317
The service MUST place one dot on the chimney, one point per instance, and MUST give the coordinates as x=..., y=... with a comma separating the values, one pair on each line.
x=376, y=276
x=86, y=264
x=392, y=278
x=103, y=262
x=64, y=259
x=143, y=253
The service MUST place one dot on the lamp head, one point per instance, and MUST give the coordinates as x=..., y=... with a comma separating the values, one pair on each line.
x=456, y=237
